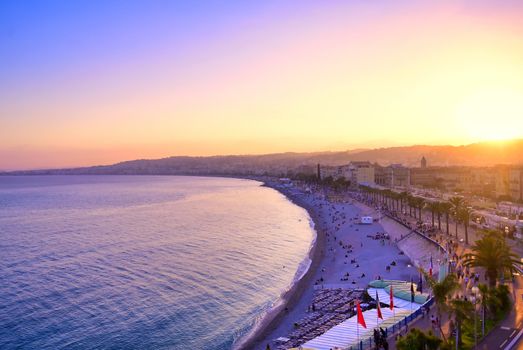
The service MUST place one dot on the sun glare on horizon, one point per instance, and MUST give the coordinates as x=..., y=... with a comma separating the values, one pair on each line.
x=492, y=114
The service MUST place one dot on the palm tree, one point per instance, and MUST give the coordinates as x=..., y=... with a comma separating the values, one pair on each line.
x=441, y=291
x=420, y=203
x=464, y=214
x=403, y=198
x=387, y=194
x=485, y=301
x=493, y=254
x=445, y=208
x=395, y=200
x=438, y=212
x=462, y=310
x=457, y=203
x=410, y=200
x=433, y=207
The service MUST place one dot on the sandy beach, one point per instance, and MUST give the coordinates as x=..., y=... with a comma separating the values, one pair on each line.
x=345, y=256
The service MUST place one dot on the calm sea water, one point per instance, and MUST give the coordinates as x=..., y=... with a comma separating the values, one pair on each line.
x=147, y=262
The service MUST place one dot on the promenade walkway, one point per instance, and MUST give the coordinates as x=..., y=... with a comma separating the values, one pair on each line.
x=508, y=334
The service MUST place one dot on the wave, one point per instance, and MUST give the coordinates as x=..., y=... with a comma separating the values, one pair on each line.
x=264, y=319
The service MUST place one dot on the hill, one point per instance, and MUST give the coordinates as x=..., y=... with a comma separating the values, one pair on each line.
x=478, y=154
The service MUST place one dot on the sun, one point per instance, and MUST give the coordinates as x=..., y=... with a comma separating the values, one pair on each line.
x=491, y=115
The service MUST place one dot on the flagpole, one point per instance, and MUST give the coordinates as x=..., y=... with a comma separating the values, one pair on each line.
x=358, y=333
x=391, y=304
x=394, y=314
x=411, y=293
x=377, y=308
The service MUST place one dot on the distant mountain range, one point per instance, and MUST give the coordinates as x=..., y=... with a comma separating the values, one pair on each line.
x=477, y=154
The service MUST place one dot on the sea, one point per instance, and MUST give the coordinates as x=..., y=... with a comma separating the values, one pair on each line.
x=143, y=262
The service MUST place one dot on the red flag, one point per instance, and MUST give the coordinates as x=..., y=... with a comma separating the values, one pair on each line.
x=361, y=320
x=391, y=298
x=378, y=306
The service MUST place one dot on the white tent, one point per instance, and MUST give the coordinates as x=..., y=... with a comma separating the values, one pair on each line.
x=346, y=333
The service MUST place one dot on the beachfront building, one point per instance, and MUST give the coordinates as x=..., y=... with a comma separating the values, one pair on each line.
x=335, y=172
x=422, y=177
x=515, y=177
x=394, y=175
x=502, y=181
x=327, y=170
x=460, y=179
x=455, y=178
x=361, y=173
x=483, y=181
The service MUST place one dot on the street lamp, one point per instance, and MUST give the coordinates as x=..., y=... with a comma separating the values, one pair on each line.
x=475, y=297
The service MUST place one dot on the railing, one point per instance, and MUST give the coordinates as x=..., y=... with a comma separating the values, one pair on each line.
x=406, y=236
x=416, y=231
x=369, y=342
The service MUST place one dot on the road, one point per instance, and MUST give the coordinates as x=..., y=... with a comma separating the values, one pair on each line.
x=509, y=334
x=516, y=344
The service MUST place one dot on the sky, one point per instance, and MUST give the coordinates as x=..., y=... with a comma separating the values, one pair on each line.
x=97, y=82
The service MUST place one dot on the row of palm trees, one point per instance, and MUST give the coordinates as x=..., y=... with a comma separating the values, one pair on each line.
x=455, y=207
x=492, y=254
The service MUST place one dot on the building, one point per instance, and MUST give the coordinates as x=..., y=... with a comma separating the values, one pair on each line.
x=502, y=189
x=382, y=176
x=515, y=179
x=361, y=173
x=423, y=162
x=335, y=172
x=458, y=179
x=328, y=170
x=394, y=175
x=422, y=177
x=483, y=181
x=455, y=178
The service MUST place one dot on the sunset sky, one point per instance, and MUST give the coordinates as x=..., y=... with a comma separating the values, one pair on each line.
x=96, y=82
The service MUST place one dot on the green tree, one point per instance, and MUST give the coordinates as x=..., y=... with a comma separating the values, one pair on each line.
x=456, y=203
x=464, y=215
x=441, y=291
x=411, y=201
x=433, y=207
x=419, y=203
x=417, y=339
x=328, y=181
x=445, y=208
x=502, y=296
x=439, y=212
x=492, y=253
x=462, y=310
x=403, y=198
x=340, y=184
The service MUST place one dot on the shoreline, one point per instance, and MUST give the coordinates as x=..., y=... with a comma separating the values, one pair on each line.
x=278, y=320
x=290, y=298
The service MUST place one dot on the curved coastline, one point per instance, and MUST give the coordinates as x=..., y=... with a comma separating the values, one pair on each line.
x=290, y=297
